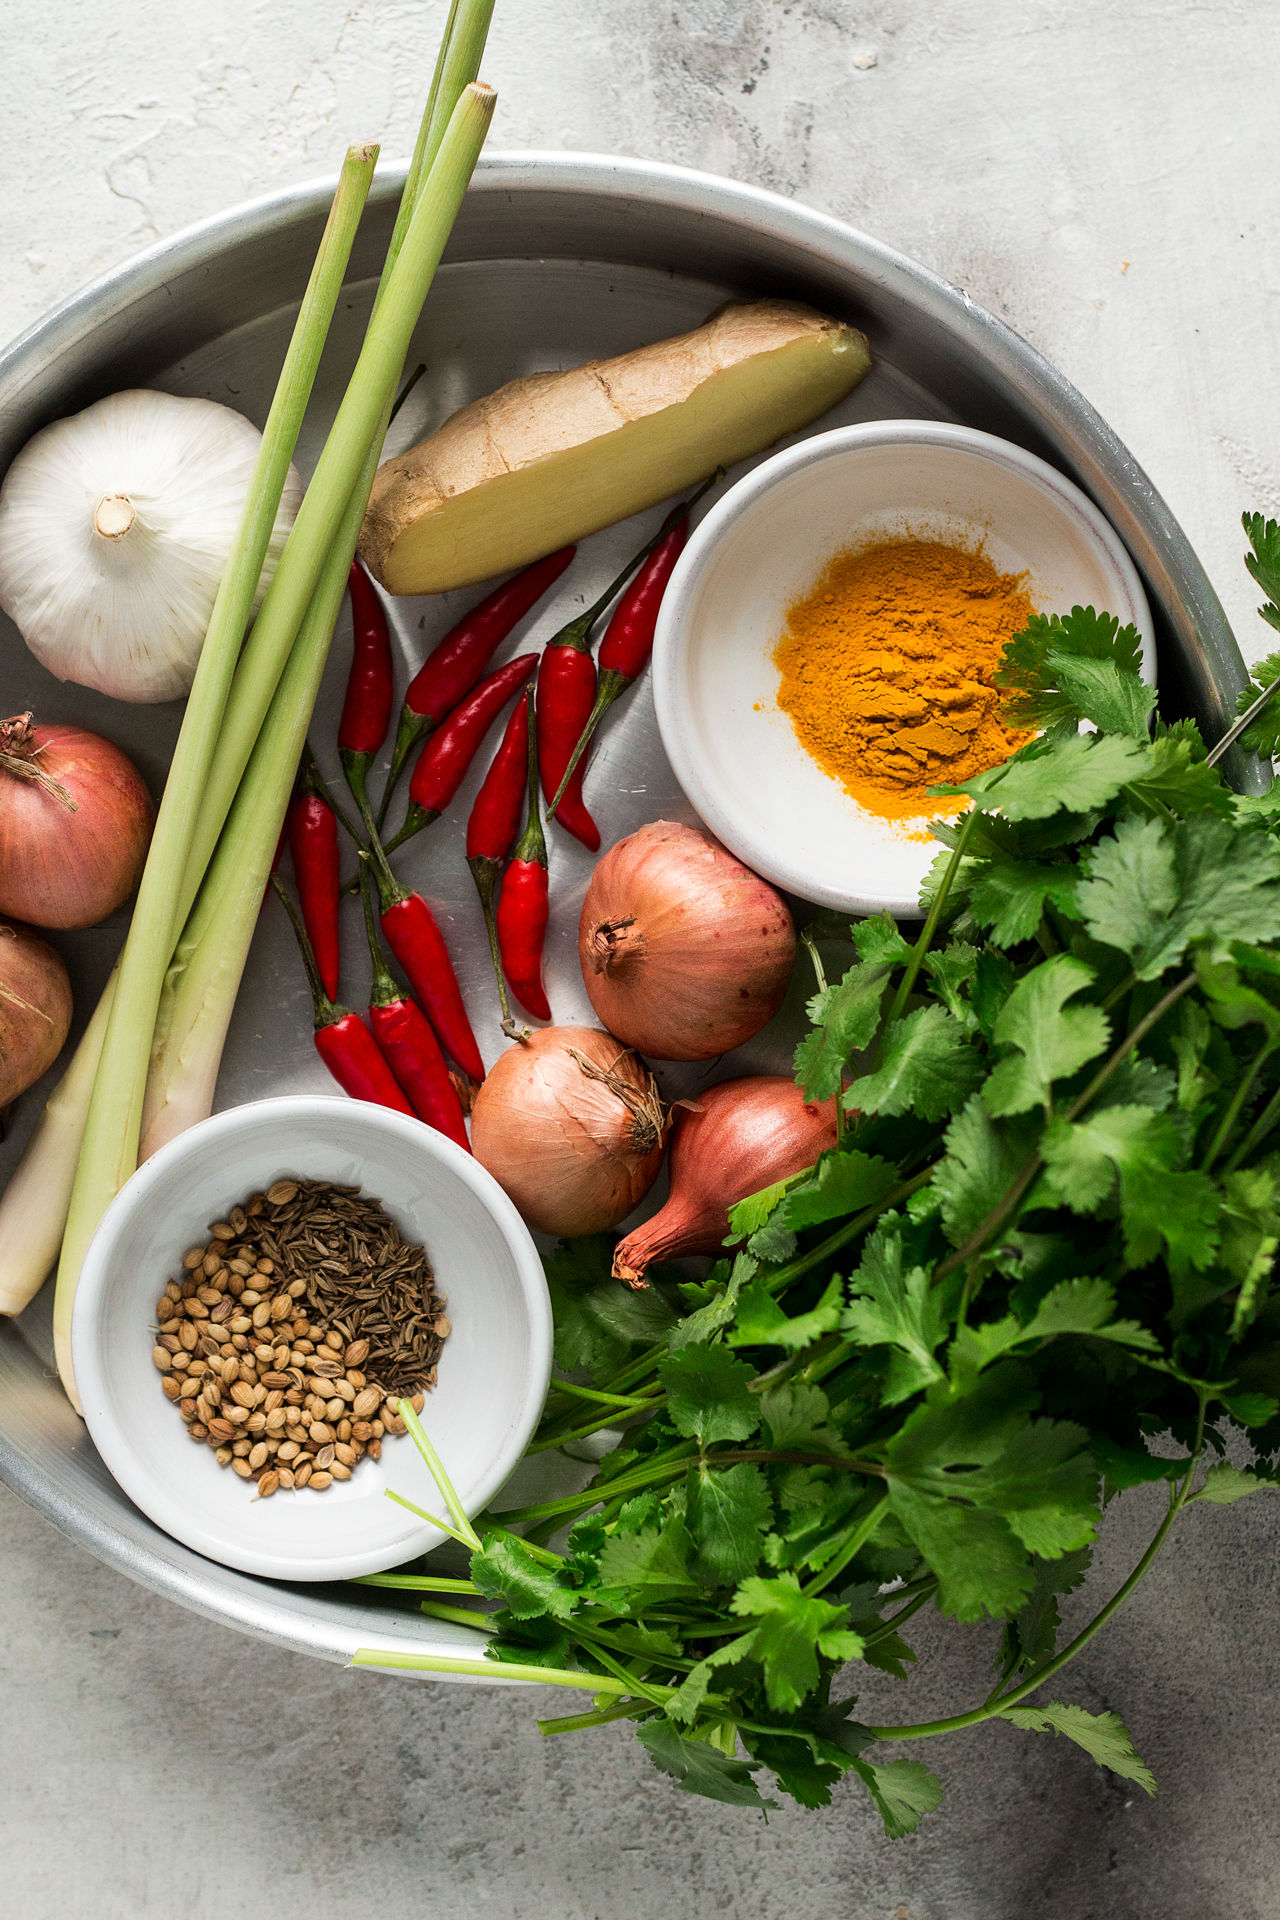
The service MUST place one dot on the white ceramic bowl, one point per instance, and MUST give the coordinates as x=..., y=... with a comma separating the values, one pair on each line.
x=493, y=1371
x=763, y=545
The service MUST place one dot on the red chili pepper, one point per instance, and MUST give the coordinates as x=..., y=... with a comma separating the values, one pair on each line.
x=408, y=1045
x=566, y=700
x=418, y=944
x=493, y=826
x=523, y=907
x=452, y=668
x=366, y=711
x=342, y=1039
x=626, y=647
x=313, y=842
x=444, y=761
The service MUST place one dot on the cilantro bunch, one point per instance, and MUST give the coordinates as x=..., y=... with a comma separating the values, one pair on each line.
x=1047, y=1235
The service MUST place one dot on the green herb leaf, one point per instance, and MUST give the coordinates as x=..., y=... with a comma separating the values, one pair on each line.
x=1116, y=702
x=1031, y=1638
x=796, y=1418
x=791, y=1630
x=983, y=1160
x=760, y=1321
x=899, y=1310
x=728, y=1511
x=928, y=1067
x=1051, y=1044
x=1033, y=661
x=647, y=1569
x=707, y=1394
x=1103, y=1736
x=980, y=1566
x=597, y=1318
x=1009, y=898
x=1078, y=773
x=845, y=1019
x=1151, y=890
x=505, y=1570
x=878, y=940
x=1224, y=1485
x=697, y=1767
x=843, y=1182
x=902, y=1791
x=1177, y=779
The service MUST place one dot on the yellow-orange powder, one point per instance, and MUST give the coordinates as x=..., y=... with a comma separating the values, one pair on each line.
x=887, y=667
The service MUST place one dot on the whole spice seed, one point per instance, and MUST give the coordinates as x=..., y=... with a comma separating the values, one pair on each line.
x=293, y=1381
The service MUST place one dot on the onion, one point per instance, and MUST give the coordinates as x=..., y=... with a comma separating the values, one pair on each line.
x=35, y=1008
x=571, y=1127
x=741, y=1136
x=75, y=824
x=685, y=951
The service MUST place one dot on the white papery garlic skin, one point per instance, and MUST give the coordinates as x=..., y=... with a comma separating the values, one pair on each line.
x=115, y=526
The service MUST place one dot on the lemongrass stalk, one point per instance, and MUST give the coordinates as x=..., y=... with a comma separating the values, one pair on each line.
x=209, y=960
x=110, y=1145
x=360, y=423
x=33, y=1208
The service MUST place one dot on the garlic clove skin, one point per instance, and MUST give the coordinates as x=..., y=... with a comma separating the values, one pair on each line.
x=115, y=527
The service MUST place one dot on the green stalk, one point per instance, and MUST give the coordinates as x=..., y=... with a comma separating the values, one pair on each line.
x=495, y=1670
x=415, y=1583
x=853, y=1546
x=112, y=1132
x=925, y=941
x=460, y=1616
x=457, y=1512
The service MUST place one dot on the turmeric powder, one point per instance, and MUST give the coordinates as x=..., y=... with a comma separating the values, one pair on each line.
x=886, y=671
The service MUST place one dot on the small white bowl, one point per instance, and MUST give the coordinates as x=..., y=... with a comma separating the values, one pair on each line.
x=493, y=1372
x=763, y=545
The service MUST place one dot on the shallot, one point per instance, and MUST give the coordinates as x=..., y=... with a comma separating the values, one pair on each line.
x=75, y=824
x=35, y=1008
x=735, y=1139
x=569, y=1123
x=685, y=952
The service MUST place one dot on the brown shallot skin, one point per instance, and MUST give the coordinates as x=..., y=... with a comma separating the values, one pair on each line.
x=685, y=952
x=741, y=1136
x=551, y=1124
x=35, y=1008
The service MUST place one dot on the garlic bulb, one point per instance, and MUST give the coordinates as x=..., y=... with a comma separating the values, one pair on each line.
x=115, y=526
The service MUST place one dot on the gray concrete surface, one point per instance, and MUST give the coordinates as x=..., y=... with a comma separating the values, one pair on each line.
x=1104, y=178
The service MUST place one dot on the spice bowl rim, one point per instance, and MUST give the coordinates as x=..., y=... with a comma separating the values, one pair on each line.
x=284, y=1125
x=780, y=847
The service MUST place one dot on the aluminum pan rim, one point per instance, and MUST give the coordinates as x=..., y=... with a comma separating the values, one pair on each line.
x=1089, y=450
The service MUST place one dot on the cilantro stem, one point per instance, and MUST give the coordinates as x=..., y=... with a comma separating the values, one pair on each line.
x=922, y=945
x=494, y=1670
x=794, y=1456
x=1257, y=1133
x=579, y=1722
x=796, y=1269
x=895, y=1620
x=457, y=1512
x=599, y=1492
x=857, y=1539
x=558, y=1437
x=415, y=1583
x=461, y=1616
x=434, y=1518
x=591, y=1393
x=1232, y=1114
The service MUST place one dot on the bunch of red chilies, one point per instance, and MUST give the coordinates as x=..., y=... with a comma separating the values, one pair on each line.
x=400, y=1059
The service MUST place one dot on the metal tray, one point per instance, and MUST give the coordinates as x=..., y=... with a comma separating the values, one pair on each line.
x=556, y=258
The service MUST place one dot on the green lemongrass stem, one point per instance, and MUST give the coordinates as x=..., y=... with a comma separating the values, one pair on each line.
x=460, y=1616
x=434, y=1519
x=496, y=1670
x=461, y=50
x=33, y=1208
x=922, y=945
x=360, y=424
x=457, y=1512
x=1000, y=1212
x=109, y=1152
x=204, y=977
x=415, y=1583
x=856, y=1541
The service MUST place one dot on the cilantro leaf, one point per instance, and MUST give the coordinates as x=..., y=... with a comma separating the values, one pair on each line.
x=1031, y=1638
x=1009, y=898
x=845, y=1018
x=1073, y=1306
x=1160, y=1206
x=1116, y=702
x=648, y=1568
x=697, y=1767
x=900, y=1310
x=981, y=1165
x=842, y=1182
x=505, y=1569
x=1152, y=890
x=1103, y=1736
x=902, y=1791
x=1177, y=779
x=727, y=1512
x=791, y=1630
x=1264, y=562
x=1051, y=1044
x=1224, y=1485
x=796, y=1417
x=877, y=939
x=1043, y=1485
x=597, y=1318
x=979, y=1564
x=1033, y=661
x=928, y=1067
x=707, y=1395
x=760, y=1321
x=1078, y=773
x=951, y=968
